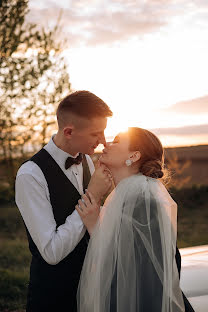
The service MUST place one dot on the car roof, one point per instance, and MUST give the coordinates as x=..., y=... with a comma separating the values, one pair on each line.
x=194, y=271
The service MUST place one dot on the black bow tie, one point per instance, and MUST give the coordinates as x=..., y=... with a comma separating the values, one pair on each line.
x=71, y=161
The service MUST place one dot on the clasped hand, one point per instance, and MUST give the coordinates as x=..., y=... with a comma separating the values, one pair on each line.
x=89, y=210
x=100, y=182
x=89, y=206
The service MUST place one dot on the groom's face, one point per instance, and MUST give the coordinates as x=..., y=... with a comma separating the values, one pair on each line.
x=87, y=136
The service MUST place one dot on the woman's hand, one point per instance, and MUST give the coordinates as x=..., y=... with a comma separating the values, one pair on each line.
x=89, y=210
x=100, y=182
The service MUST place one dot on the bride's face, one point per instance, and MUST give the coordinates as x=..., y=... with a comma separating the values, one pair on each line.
x=117, y=152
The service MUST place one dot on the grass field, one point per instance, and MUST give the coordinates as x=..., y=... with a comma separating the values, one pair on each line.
x=14, y=260
x=15, y=257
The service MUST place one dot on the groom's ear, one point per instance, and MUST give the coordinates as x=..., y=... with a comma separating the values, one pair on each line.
x=135, y=156
x=68, y=131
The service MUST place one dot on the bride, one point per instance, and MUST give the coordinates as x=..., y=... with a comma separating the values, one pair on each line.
x=130, y=262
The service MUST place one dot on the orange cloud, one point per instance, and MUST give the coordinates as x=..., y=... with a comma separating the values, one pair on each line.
x=187, y=130
x=194, y=106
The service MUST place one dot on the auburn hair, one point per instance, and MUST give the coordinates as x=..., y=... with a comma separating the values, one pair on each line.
x=151, y=149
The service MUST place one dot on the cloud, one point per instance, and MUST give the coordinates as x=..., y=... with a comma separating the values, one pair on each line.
x=181, y=131
x=119, y=26
x=96, y=21
x=191, y=107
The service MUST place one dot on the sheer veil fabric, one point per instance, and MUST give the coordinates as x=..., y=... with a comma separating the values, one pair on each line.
x=130, y=261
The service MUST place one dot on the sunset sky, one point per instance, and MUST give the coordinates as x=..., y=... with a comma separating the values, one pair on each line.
x=148, y=59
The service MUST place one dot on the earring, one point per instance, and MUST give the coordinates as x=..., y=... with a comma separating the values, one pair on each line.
x=128, y=162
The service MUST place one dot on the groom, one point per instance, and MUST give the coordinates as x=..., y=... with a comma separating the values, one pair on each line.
x=48, y=187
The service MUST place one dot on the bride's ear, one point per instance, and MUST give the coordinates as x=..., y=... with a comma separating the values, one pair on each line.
x=135, y=156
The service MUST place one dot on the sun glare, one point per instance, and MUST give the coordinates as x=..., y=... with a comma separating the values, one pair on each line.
x=137, y=79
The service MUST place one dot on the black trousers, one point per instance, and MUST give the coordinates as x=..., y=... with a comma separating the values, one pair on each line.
x=188, y=307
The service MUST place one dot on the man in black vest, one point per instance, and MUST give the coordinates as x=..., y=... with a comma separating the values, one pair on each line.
x=48, y=187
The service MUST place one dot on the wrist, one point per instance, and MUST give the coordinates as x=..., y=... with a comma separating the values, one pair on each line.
x=96, y=196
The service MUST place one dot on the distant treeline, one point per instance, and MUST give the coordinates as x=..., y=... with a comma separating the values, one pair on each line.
x=187, y=166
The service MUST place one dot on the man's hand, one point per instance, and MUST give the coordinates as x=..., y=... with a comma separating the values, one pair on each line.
x=89, y=210
x=100, y=182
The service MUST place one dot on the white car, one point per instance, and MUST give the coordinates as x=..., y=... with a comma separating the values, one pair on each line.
x=194, y=276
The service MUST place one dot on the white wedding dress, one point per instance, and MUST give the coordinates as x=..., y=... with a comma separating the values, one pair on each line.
x=130, y=262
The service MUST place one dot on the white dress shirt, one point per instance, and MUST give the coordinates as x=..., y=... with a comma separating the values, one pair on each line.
x=33, y=201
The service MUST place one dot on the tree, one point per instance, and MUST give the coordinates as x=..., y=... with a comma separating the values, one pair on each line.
x=33, y=79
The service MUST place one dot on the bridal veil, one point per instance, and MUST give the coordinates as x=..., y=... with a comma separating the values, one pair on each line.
x=130, y=262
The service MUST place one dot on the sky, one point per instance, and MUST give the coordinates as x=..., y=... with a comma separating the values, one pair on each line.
x=147, y=59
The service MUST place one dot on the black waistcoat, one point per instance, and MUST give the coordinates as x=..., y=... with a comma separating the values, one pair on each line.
x=54, y=287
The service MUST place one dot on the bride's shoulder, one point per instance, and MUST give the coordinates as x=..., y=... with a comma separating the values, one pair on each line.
x=135, y=179
x=132, y=186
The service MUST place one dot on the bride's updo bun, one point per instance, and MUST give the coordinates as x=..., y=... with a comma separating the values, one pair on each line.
x=152, y=168
x=151, y=149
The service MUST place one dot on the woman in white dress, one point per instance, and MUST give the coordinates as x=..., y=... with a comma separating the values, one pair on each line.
x=130, y=262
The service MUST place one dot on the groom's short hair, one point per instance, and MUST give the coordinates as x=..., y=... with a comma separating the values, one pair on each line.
x=84, y=104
